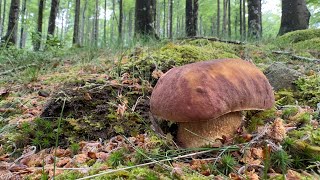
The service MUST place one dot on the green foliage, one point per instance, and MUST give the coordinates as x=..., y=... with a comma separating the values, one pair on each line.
x=281, y=160
x=227, y=164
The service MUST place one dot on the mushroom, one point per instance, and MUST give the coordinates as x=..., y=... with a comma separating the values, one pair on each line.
x=206, y=98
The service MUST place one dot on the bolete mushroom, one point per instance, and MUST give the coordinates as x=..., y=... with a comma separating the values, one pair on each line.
x=206, y=98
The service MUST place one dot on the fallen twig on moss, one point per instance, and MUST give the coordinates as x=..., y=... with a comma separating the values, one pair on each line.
x=296, y=57
x=213, y=39
x=159, y=161
x=16, y=69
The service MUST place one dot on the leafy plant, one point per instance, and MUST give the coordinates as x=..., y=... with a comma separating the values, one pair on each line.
x=227, y=164
x=117, y=158
x=281, y=160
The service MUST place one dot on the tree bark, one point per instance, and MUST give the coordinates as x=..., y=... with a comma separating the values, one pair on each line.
x=0, y=19
x=218, y=18
x=130, y=25
x=224, y=18
x=3, y=17
x=229, y=19
x=83, y=22
x=120, y=20
x=191, y=17
x=38, y=36
x=144, y=18
x=240, y=17
x=164, y=19
x=96, y=24
x=23, y=14
x=11, y=35
x=75, y=40
x=254, y=19
x=52, y=17
x=170, y=19
x=244, y=27
x=105, y=23
x=295, y=16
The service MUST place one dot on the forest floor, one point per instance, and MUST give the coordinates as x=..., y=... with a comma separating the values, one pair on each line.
x=84, y=113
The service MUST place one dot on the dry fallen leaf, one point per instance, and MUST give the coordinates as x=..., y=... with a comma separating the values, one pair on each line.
x=277, y=130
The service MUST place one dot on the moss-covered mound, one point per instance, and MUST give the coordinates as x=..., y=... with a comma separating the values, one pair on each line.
x=93, y=110
x=298, y=36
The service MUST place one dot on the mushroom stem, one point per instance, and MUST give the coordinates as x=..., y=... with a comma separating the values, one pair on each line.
x=197, y=134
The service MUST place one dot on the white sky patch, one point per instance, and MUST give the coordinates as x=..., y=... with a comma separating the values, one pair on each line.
x=273, y=6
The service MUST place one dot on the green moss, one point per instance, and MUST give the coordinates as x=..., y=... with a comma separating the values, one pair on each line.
x=309, y=90
x=284, y=97
x=71, y=175
x=304, y=118
x=298, y=36
x=310, y=44
x=117, y=158
x=259, y=118
x=143, y=173
x=289, y=112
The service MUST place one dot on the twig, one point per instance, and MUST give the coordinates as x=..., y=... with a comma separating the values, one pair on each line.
x=213, y=39
x=16, y=69
x=149, y=163
x=296, y=57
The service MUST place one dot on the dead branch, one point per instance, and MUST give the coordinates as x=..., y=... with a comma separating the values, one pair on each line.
x=16, y=69
x=212, y=39
x=296, y=57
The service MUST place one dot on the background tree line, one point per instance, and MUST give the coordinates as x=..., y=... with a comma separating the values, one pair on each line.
x=38, y=23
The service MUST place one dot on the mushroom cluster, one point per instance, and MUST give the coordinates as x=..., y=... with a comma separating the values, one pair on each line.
x=206, y=98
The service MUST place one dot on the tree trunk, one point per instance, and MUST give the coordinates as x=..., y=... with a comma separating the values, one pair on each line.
x=23, y=14
x=218, y=18
x=96, y=24
x=254, y=19
x=224, y=18
x=112, y=20
x=130, y=25
x=240, y=18
x=144, y=18
x=120, y=20
x=83, y=21
x=105, y=23
x=52, y=17
x=229, y=19
x=38, y=36
x=0, y=19
x=75, y=40
x=244, y=27
x=3, y=17
x=11, y=36
x=164, y=19
x=170, y=18
x=68, y=18
x=191, y=17
x=295, y=16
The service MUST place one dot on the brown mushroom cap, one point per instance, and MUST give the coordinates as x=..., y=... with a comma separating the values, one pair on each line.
x=207, y=90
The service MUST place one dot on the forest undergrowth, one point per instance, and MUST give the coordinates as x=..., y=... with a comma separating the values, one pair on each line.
x=84, y=113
